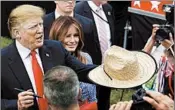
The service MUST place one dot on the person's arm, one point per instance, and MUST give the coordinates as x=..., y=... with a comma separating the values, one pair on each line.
x=81, y=69
x=149, y=45
x=151, y=41
x=159, y=101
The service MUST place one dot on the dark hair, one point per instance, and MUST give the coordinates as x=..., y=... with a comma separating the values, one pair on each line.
x=60, y=28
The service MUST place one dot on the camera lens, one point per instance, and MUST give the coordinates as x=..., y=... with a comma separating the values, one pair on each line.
x=162, y=33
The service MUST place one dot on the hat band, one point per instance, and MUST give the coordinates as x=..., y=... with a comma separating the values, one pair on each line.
x=106, y=73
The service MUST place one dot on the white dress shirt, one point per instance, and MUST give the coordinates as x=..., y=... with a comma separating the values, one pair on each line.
x=27, y=60
x=57, y=15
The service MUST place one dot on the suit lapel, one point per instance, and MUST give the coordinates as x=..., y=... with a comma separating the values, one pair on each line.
x=18, y=68
x=109, y=16
x=87, y=11
x=108, y=13
x=46, y=56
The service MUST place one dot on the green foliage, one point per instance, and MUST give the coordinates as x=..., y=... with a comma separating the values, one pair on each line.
x=5, y=41
x=117, y=93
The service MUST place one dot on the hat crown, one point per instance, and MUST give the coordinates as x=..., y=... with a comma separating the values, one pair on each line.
x=123, y=69
x=120, y=63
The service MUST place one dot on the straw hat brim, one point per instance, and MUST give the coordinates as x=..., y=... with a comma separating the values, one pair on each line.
x=147, y=67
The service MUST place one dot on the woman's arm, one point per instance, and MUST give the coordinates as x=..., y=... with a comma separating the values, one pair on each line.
x=151, y=41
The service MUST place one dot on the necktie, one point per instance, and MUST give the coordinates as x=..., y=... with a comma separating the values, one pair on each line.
x=102, y=33
x=38, y=75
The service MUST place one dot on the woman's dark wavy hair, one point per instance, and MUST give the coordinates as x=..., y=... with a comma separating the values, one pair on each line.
x=60, y=28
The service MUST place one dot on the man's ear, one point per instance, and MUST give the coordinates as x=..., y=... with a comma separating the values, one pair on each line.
x=15, y=34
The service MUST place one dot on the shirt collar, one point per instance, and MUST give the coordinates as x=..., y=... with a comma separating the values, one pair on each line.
x=94, y=7
x=23, y=51
x=57, y=15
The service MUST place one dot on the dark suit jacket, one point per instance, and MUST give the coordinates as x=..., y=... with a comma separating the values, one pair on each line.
x=14, y=74
x=84, y=9
x=91, y=43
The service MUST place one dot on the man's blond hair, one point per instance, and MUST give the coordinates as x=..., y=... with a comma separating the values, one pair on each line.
x=22, y=13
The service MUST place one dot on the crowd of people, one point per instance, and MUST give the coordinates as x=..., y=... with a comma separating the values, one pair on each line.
x=69, y=60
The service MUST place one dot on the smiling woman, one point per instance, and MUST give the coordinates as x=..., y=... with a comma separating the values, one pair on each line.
x=67, y=30
x=71, y=40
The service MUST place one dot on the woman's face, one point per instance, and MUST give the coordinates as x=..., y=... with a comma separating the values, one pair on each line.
x=71, y=39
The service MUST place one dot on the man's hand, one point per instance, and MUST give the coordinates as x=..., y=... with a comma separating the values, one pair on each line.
x=159, y=101
x=122, y=105
x=25, y=99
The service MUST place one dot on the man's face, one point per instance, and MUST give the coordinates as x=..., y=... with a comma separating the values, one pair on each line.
x=31, y=33
x=66, y=6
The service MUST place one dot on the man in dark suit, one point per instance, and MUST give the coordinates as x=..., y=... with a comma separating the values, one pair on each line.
x=67, y=8
x=101, y=13
x=18, y=69
x=85, y=9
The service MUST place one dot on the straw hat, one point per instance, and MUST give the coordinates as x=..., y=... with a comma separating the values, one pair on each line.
x=123, y=68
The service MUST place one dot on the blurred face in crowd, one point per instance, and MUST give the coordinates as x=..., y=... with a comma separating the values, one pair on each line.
x=31, y=33
x=64, y=7
x=71, y=39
